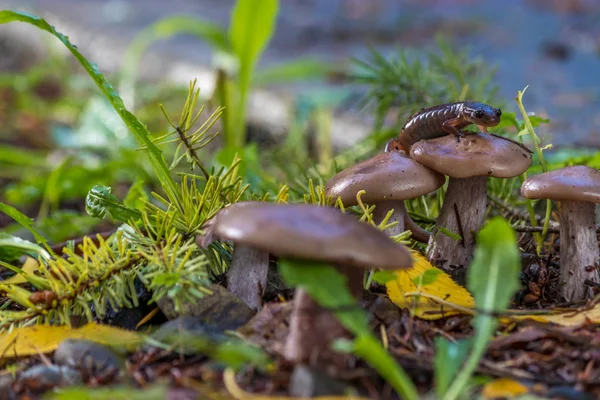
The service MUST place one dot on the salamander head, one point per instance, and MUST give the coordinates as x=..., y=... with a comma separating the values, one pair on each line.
x=481, y=114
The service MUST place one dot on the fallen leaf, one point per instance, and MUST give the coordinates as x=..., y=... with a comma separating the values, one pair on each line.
x=564, y=318
x=44, y=338
x=238, y=394
x=29, y=267
x=442, y=287
x=503, y=388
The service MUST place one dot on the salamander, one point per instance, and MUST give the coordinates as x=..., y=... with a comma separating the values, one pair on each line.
x=442, y=120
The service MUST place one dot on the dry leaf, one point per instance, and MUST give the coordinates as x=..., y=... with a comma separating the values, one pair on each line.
x=564, y=318
x=238, y=394
x=30, y=266
x=503, y=388
x=443, y=287
x=44, y=338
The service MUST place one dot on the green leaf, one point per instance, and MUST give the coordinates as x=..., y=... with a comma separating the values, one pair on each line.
x=329, y=288
x=252, y=25
x=427, y=277
x=450, y=234
x=448, y=355
x=139, y=131
x=383, y=277
x=12, y=247
x=300, y=69
x=100, y=201
x=19, y=156
x=251, y=28
x=493, y=278
x=136, y=196
x=24, y=221
x=154, y=392
x=237, y=354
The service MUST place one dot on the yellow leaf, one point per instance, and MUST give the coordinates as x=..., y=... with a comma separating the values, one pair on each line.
x=435, y=299
x=31, y=265
x=503, y=388
x=44, y=338
x=564, y=318
x=238, y=394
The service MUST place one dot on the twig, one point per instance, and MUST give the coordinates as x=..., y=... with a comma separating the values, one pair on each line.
x=459, y=225
x=556, y=229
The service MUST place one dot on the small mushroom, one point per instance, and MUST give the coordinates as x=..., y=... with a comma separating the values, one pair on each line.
x=299, y=231
x=468, y=163
x=388, y=179
x=578, y=190
x=247, y=275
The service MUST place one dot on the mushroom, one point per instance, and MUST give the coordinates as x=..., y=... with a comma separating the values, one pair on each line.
x=468, y=163
x=388, y=179
x=299, y=231
x=247, y=275
x=578, y=190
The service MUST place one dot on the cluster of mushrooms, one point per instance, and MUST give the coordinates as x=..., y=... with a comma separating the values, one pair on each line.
x=261, y=230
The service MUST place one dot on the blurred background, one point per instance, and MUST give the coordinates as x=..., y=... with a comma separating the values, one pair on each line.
x=551, y=45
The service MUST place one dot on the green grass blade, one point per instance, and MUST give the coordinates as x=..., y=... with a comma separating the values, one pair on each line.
x=25, y=222
x=251, y=28
x=139, y=131
x=301, y=69
x=493, y=278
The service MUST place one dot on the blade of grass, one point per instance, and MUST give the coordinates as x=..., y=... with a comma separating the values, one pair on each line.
x=251, y=28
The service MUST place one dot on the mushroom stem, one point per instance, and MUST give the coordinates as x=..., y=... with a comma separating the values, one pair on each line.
x=578, y=249
x=462, y=213
x=381, y=210
x=314, y=328
x=247, y=276
x=419, y=234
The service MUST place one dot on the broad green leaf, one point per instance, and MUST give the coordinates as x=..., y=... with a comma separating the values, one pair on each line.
x=493, y=278
x=383, y=276
x=448, y=355
x=251, y=28
x=329, y=288
x=427, y=277
x=139, y=131
x=24, y=221
x=100, y=201
x=301, y=69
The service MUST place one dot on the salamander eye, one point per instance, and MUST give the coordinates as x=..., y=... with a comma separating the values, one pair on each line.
x=479, y=114
x=498, y=112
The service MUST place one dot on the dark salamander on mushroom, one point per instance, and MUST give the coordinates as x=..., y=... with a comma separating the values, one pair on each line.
x=445, y=119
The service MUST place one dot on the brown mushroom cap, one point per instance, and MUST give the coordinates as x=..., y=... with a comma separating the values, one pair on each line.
x=577, y=183
x=479, y=154
x=386, y=176
x=308, y=232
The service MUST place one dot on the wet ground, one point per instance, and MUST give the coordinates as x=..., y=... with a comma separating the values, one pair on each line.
x=551, y=45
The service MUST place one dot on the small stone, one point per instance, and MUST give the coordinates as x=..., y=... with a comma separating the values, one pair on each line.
x=90, y=357
x=41, y=378
x=307, y=382
x=221, y=307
